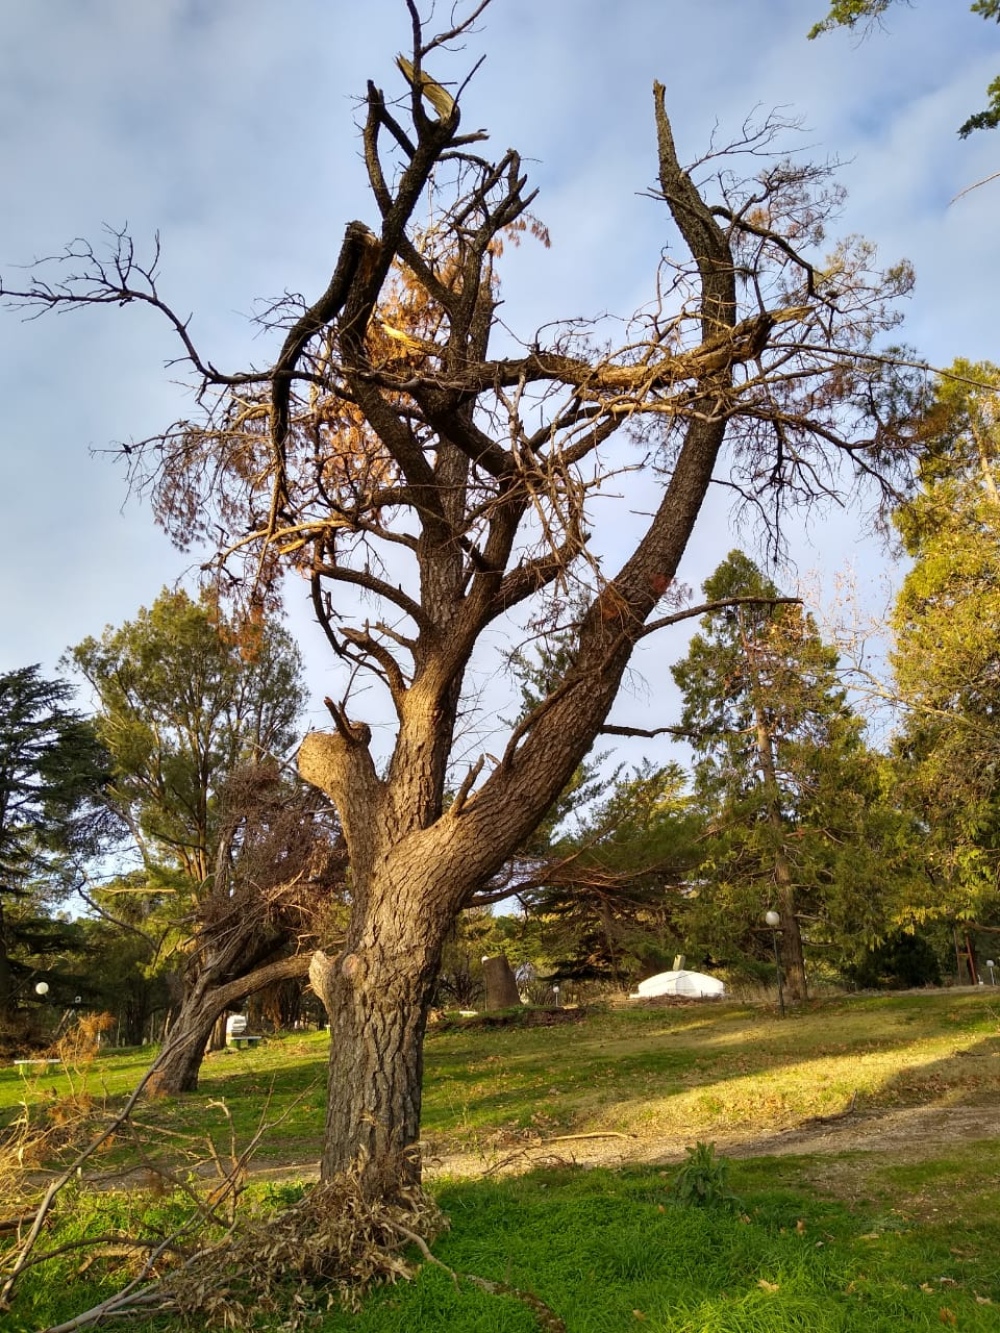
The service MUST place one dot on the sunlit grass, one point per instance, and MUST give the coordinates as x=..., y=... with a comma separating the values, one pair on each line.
x=612, y=1251
x=835, y=1244
x=732, y=1070
x=715, y=1070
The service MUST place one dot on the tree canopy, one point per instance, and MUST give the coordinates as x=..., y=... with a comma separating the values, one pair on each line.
x=185, y=695
x=53, y=772
x=790, y=790
x=945, y=656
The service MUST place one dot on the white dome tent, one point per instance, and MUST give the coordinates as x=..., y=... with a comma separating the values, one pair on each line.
x=692, y=985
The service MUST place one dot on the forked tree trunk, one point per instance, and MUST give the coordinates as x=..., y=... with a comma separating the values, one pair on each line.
x=415, y=858
x=178, y=1066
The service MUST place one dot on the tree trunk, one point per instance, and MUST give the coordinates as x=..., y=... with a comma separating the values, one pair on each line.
x=970, y=954
x=792, y=959
x=134, y=1012
x=277, y=1008
x=378, y=995
x=7, y=1005
x=501, y=984
x=177, y=1067
x=217, y=1040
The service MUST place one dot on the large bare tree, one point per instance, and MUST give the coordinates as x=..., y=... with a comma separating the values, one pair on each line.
x=434, y=480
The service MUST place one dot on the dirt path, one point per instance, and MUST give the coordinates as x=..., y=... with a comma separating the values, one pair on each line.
x=911, y=1133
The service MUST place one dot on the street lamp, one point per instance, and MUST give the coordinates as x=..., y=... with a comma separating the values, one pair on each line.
x=42, y=989
x=991, y=965
x=774, y=921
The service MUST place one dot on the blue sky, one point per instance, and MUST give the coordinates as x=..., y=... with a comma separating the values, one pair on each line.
x=229, y=126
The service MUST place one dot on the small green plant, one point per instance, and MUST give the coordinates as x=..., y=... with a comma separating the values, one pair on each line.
x=703, y=1180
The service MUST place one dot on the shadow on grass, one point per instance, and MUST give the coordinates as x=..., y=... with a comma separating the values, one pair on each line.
x=666, y=1073
x=725, y=1072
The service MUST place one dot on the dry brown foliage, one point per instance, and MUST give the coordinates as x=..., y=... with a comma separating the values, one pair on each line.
x=81, y=1041
x=331, y=1247
x=49, y=1125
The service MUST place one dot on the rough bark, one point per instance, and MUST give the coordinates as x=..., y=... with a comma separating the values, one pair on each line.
x=377, y=994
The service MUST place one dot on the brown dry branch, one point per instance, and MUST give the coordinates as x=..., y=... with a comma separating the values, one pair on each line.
x=545, y=1316
x=49, y=1126
x=18, y=1260
x=332, y=1246
x=189, y=1247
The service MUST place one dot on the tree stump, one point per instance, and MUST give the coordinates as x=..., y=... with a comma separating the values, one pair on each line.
x=501, y=984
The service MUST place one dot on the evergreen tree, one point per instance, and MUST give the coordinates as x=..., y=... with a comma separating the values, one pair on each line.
x=782, y=772
x=946, y=656
x=612, y=897
x=53, y=771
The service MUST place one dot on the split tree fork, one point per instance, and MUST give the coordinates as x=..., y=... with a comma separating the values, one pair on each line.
x=432, y=489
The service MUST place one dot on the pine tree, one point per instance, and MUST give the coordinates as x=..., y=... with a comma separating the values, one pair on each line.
x=52, y=773
x=781, y=770
x=614, y=893
x=946, y=656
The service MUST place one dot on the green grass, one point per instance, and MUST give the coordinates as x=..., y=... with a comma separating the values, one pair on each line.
x=826, y=1244
x=691, y=1072
x=284, y=1080
x=612, y=1251
x=708, y=1070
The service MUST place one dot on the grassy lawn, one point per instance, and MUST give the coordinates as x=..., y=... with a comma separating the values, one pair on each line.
x=692, y=1072
x=702, y=1071
x=851, y=1241
x=611, y=1251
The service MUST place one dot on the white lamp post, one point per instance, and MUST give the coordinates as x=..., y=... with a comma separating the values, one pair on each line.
x=42, y=989
x=774, y=921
